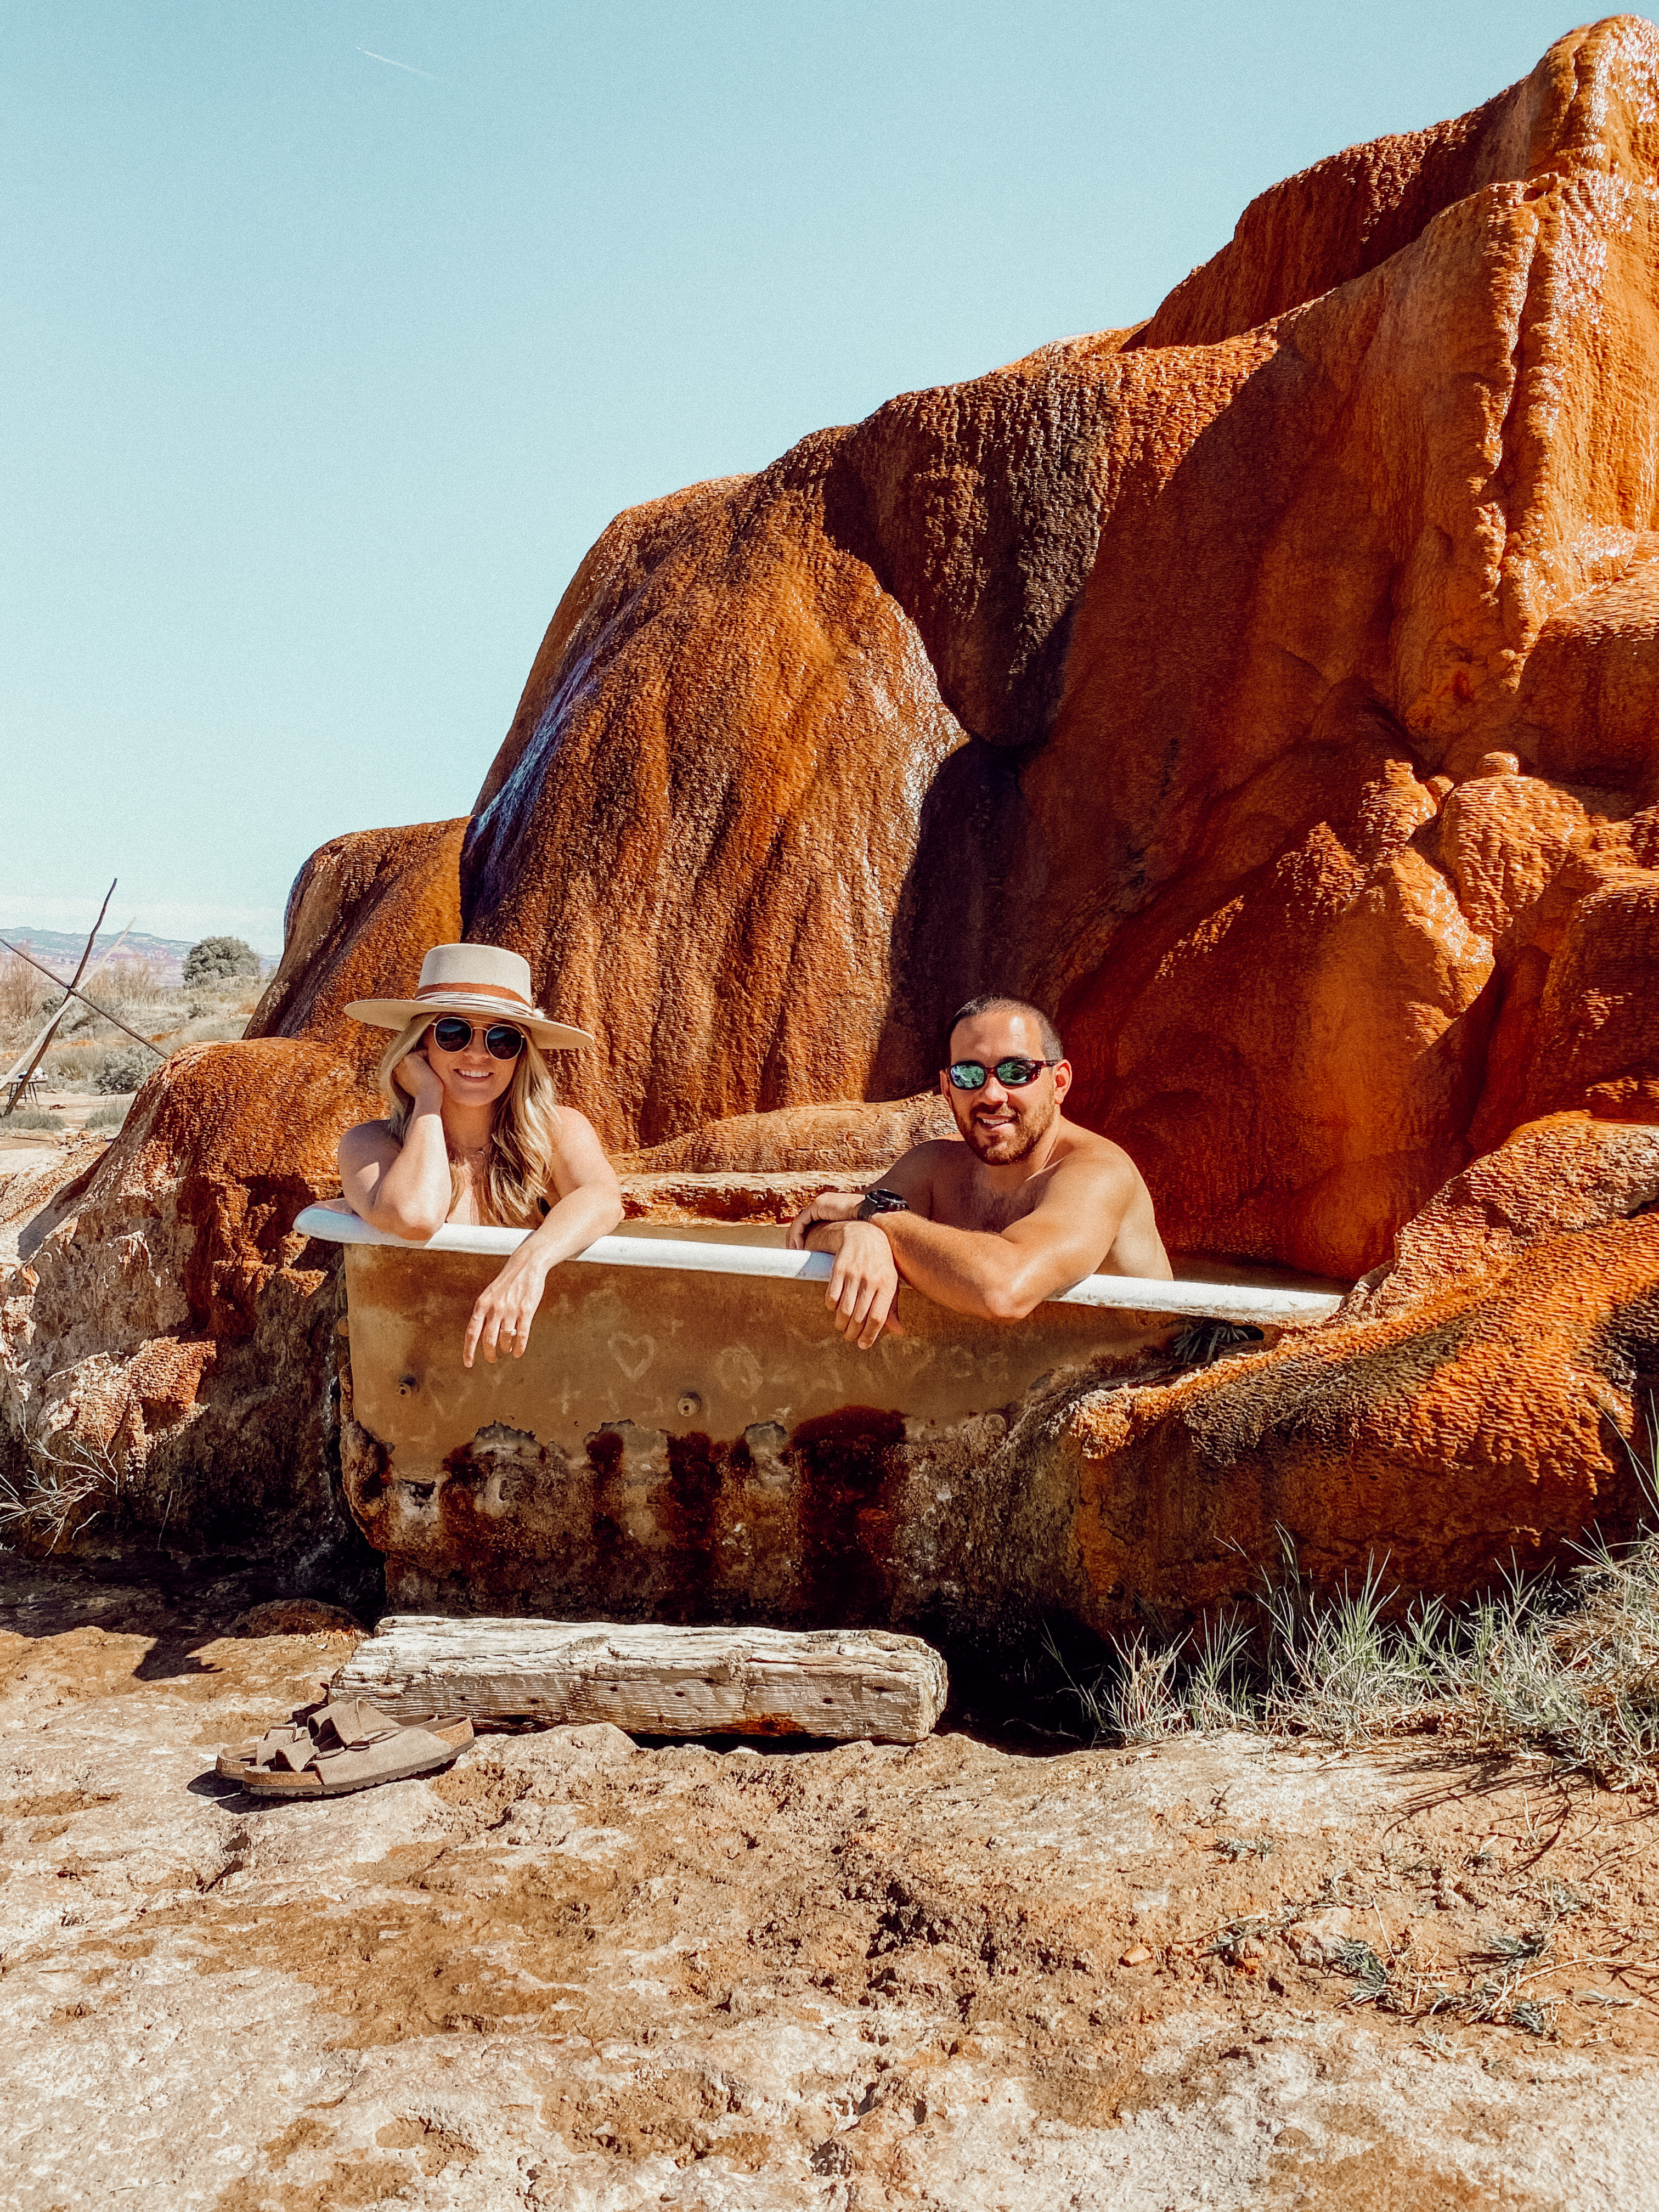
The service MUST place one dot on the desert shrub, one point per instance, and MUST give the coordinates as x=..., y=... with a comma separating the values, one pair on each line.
x=29, y=1117
x=108, y=1116
x=217, y=957
x=69, y=1067
x=122, y=1067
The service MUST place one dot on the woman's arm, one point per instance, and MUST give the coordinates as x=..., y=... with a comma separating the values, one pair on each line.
x=590, y=1205
x=403, y=1189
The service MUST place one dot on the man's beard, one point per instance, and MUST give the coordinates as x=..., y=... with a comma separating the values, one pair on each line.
x=1010, y=1142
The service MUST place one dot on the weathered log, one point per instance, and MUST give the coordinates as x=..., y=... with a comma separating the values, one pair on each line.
x=844, y=1683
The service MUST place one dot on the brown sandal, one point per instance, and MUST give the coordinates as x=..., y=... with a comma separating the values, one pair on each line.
x=330, y=1749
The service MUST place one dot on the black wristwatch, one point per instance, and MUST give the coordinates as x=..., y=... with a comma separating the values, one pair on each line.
x=880, y=1201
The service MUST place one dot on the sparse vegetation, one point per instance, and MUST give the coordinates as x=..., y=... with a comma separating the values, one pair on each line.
x=132, y=986
x=1567, y=1665
x=90, y=1054
x=64, y=1476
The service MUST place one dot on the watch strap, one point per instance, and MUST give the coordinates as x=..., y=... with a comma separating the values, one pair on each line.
x=880, y=1201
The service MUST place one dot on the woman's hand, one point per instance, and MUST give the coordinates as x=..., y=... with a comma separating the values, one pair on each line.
x=589, y=1205
x=426, y=1085
x=828, y=1206
x=499, y=1325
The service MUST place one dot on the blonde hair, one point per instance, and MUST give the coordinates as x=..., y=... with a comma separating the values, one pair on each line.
x=520, y=1172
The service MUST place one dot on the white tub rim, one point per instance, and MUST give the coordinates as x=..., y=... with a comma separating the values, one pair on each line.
x=333, y=1222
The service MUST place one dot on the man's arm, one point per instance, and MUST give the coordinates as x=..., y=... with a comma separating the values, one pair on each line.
x=864, y=1280
x=908, y=1175
x=1005, y=1274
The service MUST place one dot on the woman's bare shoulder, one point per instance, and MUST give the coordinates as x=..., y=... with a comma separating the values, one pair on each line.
x=369, y=1140
x=577, y=1151
x=575, y=1127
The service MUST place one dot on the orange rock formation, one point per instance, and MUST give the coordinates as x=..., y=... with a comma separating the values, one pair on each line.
x=1271, y=689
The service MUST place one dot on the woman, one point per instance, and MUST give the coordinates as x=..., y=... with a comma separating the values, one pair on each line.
x=472, y=1134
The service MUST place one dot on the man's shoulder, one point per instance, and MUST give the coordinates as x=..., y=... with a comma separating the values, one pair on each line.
x=1086, y=1151
x=926, y=1158
x=936, y=1151
x=919, y=1174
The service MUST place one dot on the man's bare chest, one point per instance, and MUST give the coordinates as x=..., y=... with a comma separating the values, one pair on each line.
x=968, y=1206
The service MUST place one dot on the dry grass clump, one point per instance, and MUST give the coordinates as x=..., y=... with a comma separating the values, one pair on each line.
x=1567, y=1665
x=61, y=1489
x=23, y=992
x=130, y=985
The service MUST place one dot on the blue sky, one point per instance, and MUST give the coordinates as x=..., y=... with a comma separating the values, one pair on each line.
x=333, y=332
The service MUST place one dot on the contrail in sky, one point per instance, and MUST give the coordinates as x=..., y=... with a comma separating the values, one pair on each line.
x=409, y=66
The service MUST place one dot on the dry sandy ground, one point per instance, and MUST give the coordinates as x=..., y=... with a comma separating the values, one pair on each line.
x=574, y=1973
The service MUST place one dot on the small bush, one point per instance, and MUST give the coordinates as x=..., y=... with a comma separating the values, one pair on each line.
x=29, y=1117
x=66, y=1068
x=217, y=957
x=110, y=1116
x=122, y=1067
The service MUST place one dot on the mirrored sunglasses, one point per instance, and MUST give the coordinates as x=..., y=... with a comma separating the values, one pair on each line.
x=500, y=1040
x=1012, y=1074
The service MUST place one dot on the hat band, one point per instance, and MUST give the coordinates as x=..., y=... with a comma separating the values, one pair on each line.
x=475, y=990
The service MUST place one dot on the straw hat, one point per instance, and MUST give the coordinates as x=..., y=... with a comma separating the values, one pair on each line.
x=479, y=980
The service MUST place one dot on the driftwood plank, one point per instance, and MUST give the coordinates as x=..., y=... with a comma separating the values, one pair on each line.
x=844, y=1683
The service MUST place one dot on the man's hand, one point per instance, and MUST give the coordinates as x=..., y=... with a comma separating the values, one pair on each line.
x=863, y=1282
x=828, y=1206
x=500, y=1319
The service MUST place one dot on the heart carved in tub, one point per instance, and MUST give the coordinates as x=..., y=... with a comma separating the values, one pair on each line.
x=633, y=1354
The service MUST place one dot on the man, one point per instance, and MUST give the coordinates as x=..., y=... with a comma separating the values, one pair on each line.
x=1025, y=1205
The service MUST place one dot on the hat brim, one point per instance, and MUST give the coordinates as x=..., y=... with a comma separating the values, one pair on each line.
x=394, y=1014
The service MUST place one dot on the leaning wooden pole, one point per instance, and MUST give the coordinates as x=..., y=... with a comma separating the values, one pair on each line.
x=18, y=1082
x=14, y=1074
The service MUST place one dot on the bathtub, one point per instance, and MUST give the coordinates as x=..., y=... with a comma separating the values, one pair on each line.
x=688, y=1438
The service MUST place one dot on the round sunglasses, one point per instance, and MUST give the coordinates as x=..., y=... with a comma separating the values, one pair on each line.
x=1012, y=1074
x=500, y=1040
